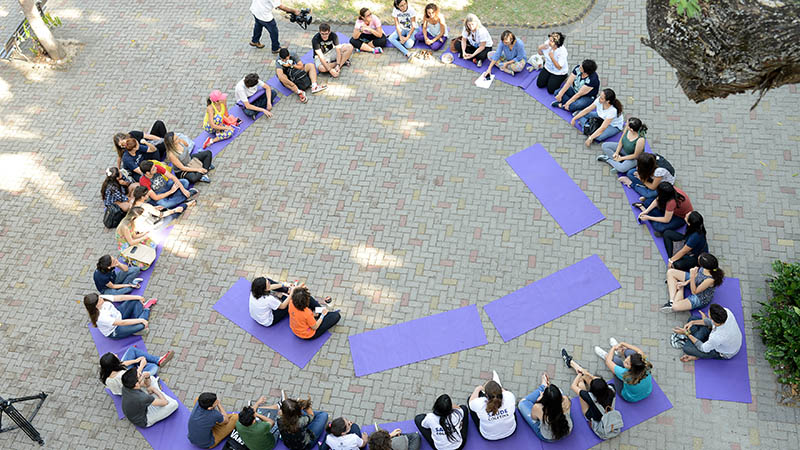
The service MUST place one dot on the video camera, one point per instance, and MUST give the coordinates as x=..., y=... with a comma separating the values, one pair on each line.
x=303, y=19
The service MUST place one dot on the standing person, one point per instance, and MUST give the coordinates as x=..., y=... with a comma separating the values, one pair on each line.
x=608, y=108
x=646, y=177
x=695, y=243
x=492, y=409
x=546, y=410
x=296, y=76
x=717, y=336
x=117, y=322
x=301, y=427
x=112, y=366
x=109, y=281
x=367, y=33
x=622, y=155
x=261, y=434
x=702, y=281
x=446, y=427
x=634, y=370
x=265, y=306
x=475, y=42
x=209, y=423
x=396, y=440
x=434, y=29
x=248, y=86
x=263, y=13
x=555, y=68
x=343, y=434
x=510, y=55
x=580, y=89
x=142, y=400
x=155, y=137
x=330, y=56
x=668, y=211
x=165, y=193
x=405, y=22
x=304, y=321
x=191, y=166
x=127, y=236
x=214, y=119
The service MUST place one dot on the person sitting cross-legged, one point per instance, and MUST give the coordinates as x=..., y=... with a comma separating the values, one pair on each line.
x=546, y=410
x=109, y=281
x=258, y=431
x=215, y=117
x=307, y=319
x=716, y=336
x=396, y=440
x=166, y=193
x=343, y=434
x=580, y=89
x=269, y=301
x=209, y=423
x=301, y=427
x=142, y=400
x=475, y=42
x=669, y=209
x=368, y=35
x=631, y=366
x=510, y=55
x=492, y=410
x=555, y=68
x=694, y=241
x=248, y=86
x=112, y=366
x=296, y=76
x=330, y=56
x=445, y=428
x=405, y=22
x=622, y=156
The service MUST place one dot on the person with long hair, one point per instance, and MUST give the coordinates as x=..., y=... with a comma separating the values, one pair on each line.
x=396, y=440
x=668, y=211
x=213, y=124
x=510, y=55
x=307, y=319
x=475, y=42
x=555, y=68
x=179, y=153
x=546, y=410
x=128, y=236
x=716, y=336
x=608, y=108
x=405, y=22
x=269, y=301
x=434, y=29
x=301, y=427
x=116, y=190
x=592, y=390
x=133, y=151
x=646, y=177
x=111, y=277
x=695, y=243
x=623, y=155
x=630, y=365
x=116, y=321
x=492, y=410
x=153, y=217
x=702, y=282
x=155, y=137
x=446, y=427
x=112, y=366
x=368, y=35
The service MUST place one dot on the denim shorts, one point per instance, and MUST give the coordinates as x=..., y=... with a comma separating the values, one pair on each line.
x=696, y=302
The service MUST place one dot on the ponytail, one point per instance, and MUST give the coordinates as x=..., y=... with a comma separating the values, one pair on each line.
x=494, y=394
x=636, y=125
x=90, y=302
x=611, y=97
x=710, y=262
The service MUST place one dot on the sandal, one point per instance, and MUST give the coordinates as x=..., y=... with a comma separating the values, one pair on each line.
x=567, y=358
x=327, y=300
x=639, y=205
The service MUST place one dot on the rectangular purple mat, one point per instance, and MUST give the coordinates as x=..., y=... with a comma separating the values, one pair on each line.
x=558, y=193
x=417, y=340
x=160, y=236
x=521, y=79
x=727, y=380
x=551, y=297
x=235, y=306
x=420, y=44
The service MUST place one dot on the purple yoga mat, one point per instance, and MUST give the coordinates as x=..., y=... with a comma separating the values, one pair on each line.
x=551, y=297
x=417, y=340
x=419, y=44
x=554, y=188
x=727, y=380
x=306, y=58
x=234, y=110
x=521, y=79
x=582, y=436
x=235, y=306
x=118, y=347
x=160, y=236
x=407, y=426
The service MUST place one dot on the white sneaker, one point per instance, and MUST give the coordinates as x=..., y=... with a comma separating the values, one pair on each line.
x=318, y=88
x=613, y=342
x=600, y=352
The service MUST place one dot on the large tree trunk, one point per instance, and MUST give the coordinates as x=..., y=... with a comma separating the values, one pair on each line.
x=730, y=47
x=53, y=48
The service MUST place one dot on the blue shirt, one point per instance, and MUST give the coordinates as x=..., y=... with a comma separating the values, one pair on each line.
x=697, y=242
x=131, y=163
x=200, y=423
x=101, y=280
x=507, y=54
x=634, y=392
x=593, y=81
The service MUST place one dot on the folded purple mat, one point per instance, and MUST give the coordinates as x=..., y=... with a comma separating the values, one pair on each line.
x=118, y=347
x=727, y=380
x=521, y=79
x=306, y=58
x=235, y=306
x=417, y=340
x=160, y=236
x=582, y=436
x=551, y=297
x=558, y=193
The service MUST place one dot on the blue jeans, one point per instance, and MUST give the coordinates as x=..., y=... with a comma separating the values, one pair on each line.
x=701, y=333
x=176, y=198
x=354, y=429
x=609, y=131
x=272, y=29
x=640, y=188
x=152, y=361
x=525, y=407
x=609, y=148
x=673, y=224
x=131, y=309
x=122, y=277
x=318, y=424
x=394, y=38
x=579, y=104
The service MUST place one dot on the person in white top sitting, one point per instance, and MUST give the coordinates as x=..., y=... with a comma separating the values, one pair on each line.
x=716, y=336
x=344, y=435
x=248, y=86
x=475, y=43
x=446, y=427
x=555, y=69
x=112, y=366
x=119, y=321
x=492, y=409
x=608, y=109
x=269, y=301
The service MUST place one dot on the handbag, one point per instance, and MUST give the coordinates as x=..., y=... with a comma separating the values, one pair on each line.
x=592, y=125
x=453, y=44
x=141, y=253
x=195, y=164
x=113, y=216
x=231, y=120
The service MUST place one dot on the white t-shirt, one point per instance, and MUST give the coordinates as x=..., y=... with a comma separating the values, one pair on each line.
x=726, y=339
x=431, y=421
x=108, y=315
x=263, y=9
x=261, y=309
x=617, y=121
x=404, y=17
x=664, y=174
x=560, y=55
x=243, y=92
x=480, y=35
x=115, y=384
x=500, y=425
x=346, y=442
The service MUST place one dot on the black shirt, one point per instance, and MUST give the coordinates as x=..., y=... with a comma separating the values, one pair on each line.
x=318, y=44
x=593, y=413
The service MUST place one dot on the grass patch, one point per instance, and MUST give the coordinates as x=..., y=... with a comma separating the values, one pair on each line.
x=529, y=13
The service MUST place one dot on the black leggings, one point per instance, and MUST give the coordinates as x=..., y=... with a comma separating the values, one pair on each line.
x=426, y=432
x=193, y=177
x=480, y=56
x=551, y=81
x=371, y=39
x=688, y=260
x=160, y=130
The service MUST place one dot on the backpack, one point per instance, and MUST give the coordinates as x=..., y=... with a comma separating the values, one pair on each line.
x=610, y=425
x=235, y=442
x=299, y=77
x=113, y=216
x=592, y=125
x=664, y=164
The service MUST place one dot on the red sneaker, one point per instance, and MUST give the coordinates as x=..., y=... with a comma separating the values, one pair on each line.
x=207, y=143
x=150, y=303
x=164, y=359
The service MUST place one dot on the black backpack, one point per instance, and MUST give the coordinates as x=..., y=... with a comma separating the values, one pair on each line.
x=113, y=216
x=664, y=164
x=592, y=125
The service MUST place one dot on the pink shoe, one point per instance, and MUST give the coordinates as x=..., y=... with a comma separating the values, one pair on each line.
x=150, y=303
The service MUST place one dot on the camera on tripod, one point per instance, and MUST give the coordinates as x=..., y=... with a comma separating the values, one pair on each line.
x=303, y=19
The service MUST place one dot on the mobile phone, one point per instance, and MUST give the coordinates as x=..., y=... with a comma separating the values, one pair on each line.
x=133, y=250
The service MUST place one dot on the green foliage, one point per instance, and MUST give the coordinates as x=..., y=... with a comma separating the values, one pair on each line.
x=779, y=322
x=26, y=34
x=688, y=7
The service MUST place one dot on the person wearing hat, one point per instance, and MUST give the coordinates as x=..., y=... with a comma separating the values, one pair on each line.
x=216, y=110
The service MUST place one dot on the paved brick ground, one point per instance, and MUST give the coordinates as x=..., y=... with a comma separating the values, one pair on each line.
x=388, y=192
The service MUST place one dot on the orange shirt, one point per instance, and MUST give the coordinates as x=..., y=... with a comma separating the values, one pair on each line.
x=301, y=321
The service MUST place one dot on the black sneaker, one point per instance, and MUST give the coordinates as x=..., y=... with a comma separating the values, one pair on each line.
x=667, y=308
x=567, y=358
